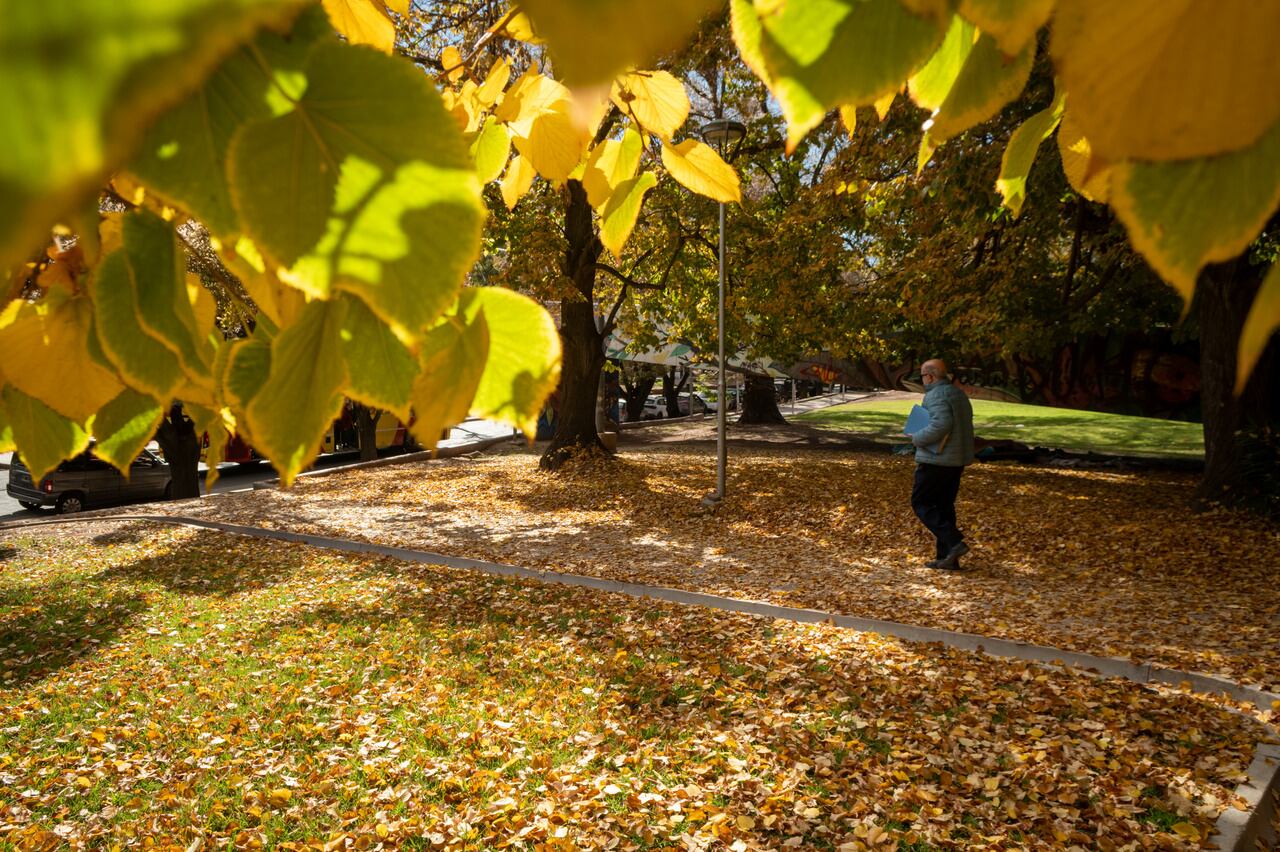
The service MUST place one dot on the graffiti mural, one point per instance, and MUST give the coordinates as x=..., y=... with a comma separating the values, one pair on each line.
x=1153, y=376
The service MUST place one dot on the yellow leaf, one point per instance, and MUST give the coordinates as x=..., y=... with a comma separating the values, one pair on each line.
x=746, y=823
x=494, y=82
x=363, y=22
x=849, y=115
x=1263, y=320
x=280, y=796
x=46, y=352
x=1187, y=830
x=1012, y=23
x=1159, y=80
x=1087, y=174
x=538, y=112
x=451, y=62
x=517, y=180
x=516, y=25
x=609, y=164
x=882, y=104
x=699, y=168
x=655, y=99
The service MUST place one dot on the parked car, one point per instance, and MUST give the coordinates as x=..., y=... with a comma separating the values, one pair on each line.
x=87, y=480
x=654, y=407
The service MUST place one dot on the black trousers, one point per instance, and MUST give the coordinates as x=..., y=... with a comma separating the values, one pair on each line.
x=933, y=497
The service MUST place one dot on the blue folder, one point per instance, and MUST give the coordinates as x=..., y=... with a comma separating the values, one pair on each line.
x=916, y=420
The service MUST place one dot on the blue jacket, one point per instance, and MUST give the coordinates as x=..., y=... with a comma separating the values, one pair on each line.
x=949, y=414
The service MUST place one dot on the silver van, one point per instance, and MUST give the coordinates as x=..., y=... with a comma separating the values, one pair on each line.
x=87, y=480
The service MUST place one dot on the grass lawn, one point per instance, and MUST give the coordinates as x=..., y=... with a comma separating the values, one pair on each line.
x=191, y=690
x=1034, y=425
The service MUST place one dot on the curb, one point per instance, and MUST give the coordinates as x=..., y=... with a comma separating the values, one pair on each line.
x=1234, y=830
x=405, y=458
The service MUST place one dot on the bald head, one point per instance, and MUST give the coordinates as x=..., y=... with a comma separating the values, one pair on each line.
x=936, y=368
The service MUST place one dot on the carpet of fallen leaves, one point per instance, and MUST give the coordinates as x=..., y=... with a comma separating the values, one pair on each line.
x=1102, y=562
x=168, y=688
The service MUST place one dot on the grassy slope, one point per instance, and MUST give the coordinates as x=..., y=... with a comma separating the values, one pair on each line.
x=1035, y=425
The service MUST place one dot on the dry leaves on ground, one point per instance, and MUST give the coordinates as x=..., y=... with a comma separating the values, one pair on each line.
x=1102, y=562
x=177, y=689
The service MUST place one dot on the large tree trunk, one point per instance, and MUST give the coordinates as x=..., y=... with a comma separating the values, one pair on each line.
x=1223, y=296
x=181, y=447
x=760, y=402
x=581, y=340
x=367, y=430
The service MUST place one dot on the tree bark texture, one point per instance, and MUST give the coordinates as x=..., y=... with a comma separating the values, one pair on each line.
x=581, y=340
x=635, y=394
x=181, y=447
x=760, y=402
x=367, y=430
x=672, y=385
x=1233, y=423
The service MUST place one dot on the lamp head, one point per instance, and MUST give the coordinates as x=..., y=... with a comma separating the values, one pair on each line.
x=722, y=132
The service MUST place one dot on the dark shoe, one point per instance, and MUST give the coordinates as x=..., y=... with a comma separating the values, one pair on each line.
x=933, y=563
x=952, y=560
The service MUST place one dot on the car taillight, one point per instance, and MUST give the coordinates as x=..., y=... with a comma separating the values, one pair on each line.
x=46, y=485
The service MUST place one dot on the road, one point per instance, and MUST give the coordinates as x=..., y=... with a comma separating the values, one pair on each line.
x=240, y=477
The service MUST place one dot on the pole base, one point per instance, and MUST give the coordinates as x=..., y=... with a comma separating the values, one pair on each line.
x=712, y=500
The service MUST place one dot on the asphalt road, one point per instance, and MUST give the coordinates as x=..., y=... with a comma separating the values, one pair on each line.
x=237, y=477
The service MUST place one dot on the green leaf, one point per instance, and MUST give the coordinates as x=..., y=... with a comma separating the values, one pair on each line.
x=47, y=352
x=381, y=368
x=1012, y=23
x=144, y=362
x=822, y=54
x=490, y=150
x=620, y=213
x=80, y=82
x=987, y=81
x=452, y=357
x=159, y=276
x=7, y=444
x=248, y=365
x=124, y=426
x=523, y=363
x=592, y=40
x=1020, y=153
x=209, y=423
x=1183, y=215
x=930, y=85
x=1263, y=321
x=43, y=436
x=183, y=157
x=303, y=392
x=364, y=186
x=1154, y=80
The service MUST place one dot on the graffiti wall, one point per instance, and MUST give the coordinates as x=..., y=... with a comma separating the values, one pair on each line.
x=1150, y=376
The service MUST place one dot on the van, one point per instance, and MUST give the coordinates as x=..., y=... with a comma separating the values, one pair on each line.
x=87, y=480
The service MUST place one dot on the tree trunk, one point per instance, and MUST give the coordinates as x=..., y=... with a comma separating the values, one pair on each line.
x=581, y=340
x=1223, y=296
x=367, y=429
x=671, y=389
x=636, y=393
x=181, y=447
x=760, y=402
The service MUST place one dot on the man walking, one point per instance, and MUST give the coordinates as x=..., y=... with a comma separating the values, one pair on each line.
x=943, y=448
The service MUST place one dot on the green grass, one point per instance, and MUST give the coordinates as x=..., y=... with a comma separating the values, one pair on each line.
x=1034, y=425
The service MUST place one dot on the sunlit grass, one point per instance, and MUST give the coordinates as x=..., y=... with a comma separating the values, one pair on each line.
x=1034, y=425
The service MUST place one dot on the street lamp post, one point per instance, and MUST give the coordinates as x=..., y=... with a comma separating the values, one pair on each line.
x=721, y=133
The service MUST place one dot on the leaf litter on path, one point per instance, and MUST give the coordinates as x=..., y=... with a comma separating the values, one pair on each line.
x=169, y=688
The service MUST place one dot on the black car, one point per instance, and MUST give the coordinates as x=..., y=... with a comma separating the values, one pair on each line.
x=87, y=480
